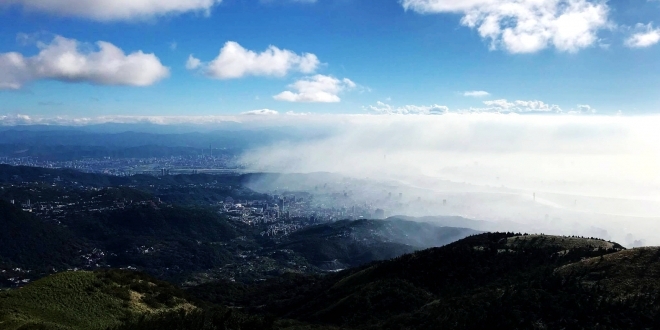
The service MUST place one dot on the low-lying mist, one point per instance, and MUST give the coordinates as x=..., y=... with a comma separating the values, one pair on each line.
x=556, y=174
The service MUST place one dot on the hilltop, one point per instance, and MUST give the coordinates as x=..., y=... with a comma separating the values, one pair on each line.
x=565, y=242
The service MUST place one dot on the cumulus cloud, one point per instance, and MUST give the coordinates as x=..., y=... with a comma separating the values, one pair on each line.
x=386, y=109
x=645, y=37
x=318, y=88
x=234, y=61
x=476, y=94
x=526, y=26
x=111, y=10
x=261, y=112
x=68, y=60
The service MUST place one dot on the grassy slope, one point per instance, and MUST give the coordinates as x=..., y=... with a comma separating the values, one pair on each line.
x=82, y=300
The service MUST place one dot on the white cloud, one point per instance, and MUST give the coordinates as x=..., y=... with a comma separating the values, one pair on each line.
x=261, y=112
x=234, y=61
x=65, y=60
x=502, y=105
x=645, y=37
x=526, y=26
x=386, y=109
x=476, y=94
x=318, y=88
x=112, y=10
x=193, y=63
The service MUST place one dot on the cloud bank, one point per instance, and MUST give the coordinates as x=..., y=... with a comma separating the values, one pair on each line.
x=67, y=60
x=492, y=106
x=526, y=26
x=590, y=175
x=113, y=10
x=234, y=62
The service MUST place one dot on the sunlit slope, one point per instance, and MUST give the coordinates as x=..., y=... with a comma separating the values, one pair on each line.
x=86, y=300
x=624, y=275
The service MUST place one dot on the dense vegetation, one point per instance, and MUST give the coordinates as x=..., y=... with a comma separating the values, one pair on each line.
x=30, y=243
x=476, y=281
x=87, y=300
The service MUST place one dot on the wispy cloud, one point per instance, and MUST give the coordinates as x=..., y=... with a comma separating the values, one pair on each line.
x=645, y=36
x=261, y=112
x=476, y=94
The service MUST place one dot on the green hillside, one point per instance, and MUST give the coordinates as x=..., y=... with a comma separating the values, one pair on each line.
x=87, y=300
x=502, y=280
x=31, y=243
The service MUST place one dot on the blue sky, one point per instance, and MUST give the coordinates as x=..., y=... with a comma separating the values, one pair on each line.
x=412, y=56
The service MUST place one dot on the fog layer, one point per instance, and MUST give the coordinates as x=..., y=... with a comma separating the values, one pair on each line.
x=561, y=174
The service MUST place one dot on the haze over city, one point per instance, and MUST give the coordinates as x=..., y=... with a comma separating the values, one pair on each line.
x=548, y=105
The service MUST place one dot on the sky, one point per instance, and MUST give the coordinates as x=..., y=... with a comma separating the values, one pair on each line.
x=123, y=58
